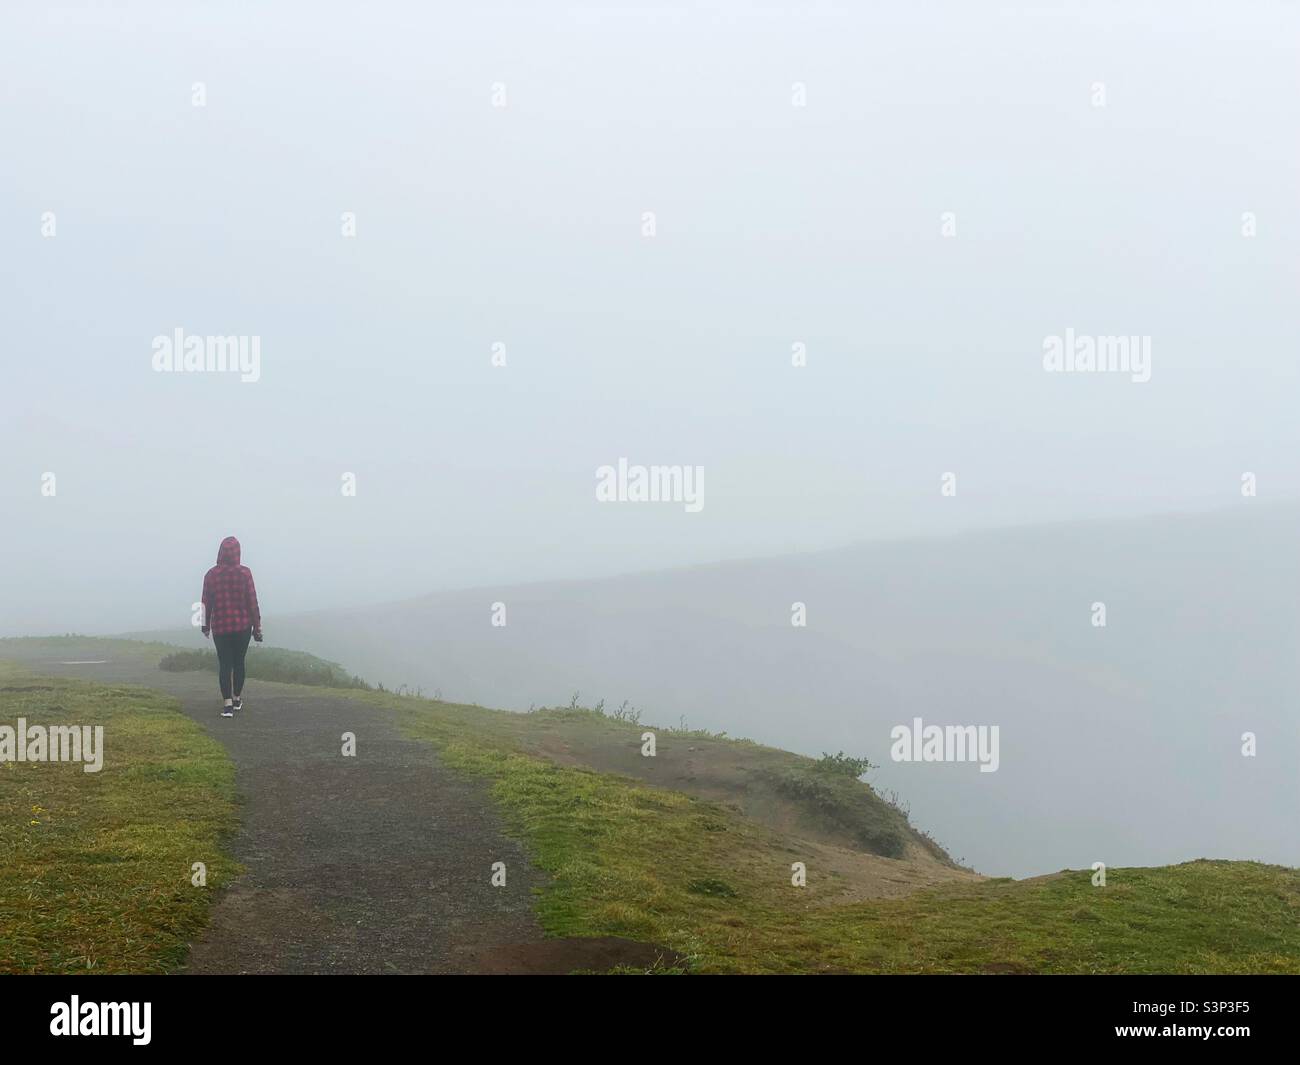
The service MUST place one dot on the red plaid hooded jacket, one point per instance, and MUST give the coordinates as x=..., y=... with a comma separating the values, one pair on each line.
x=229, y=595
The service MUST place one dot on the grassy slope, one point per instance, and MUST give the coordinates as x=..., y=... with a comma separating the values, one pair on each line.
x=627, y=858
x=1198, y=917
x=95, y=867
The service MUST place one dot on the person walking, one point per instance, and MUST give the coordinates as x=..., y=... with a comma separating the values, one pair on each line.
x=230, y=616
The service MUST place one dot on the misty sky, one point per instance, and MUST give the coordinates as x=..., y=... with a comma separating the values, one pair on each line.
x=522, y=225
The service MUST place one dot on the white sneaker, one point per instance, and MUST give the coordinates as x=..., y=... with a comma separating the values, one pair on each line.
x=227, y=711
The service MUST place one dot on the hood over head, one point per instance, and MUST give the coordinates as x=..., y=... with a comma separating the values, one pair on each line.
x=228, y=552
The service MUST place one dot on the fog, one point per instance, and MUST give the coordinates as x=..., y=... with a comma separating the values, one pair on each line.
x=1119, y=742
x=650, y=214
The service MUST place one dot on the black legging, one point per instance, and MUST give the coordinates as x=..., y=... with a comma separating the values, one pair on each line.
x=231, y=648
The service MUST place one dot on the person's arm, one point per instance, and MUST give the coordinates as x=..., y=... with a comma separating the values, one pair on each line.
x=207, y=598
x=254, y=611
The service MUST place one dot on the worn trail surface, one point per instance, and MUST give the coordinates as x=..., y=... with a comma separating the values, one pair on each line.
x=375, y=864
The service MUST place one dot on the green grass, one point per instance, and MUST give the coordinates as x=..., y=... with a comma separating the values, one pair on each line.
x=270, y=663
x=1197, y=917
x=95, y=868
x=624, y=858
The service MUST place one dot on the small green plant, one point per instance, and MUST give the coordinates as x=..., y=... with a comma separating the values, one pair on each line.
x=841, y=764
x=830, y=790
x=718, y=889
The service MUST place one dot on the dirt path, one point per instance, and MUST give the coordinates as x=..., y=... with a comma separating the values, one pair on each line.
x=375, y=864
